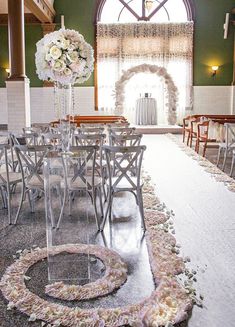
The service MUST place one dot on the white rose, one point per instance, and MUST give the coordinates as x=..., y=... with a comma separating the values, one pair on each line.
x=55, y=52
x=48, y=57
x=71, y=47
x=72, y=56
x=67, y=71
x=65, y=44
x=59, y=65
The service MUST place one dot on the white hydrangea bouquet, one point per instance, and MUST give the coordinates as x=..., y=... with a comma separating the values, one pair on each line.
x=64, y=56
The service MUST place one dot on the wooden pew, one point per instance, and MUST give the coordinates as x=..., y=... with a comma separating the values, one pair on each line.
x=93, y=119
x=189, y=120
x=203, y=137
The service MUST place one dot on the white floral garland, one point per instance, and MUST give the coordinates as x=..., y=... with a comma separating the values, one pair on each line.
x=172, y=92
x=167, y=305
x=209, y=167
x=65, y=57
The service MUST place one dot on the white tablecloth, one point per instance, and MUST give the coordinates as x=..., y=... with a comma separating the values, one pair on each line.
x=146, y=111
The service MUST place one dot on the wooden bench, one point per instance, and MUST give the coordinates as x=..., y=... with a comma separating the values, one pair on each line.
x=93, y=119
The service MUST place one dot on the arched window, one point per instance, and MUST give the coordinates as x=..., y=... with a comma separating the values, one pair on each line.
x=131, y=33
x=124, y=11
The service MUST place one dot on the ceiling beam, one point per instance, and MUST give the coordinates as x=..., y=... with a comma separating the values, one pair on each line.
x=41, y=9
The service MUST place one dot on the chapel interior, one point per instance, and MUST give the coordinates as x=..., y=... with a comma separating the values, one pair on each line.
x=117, y=163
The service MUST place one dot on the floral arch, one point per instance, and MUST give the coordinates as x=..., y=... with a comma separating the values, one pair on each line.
x=172, y=92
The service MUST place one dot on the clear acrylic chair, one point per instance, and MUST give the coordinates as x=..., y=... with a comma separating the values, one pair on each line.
x=84, y=178
x=31, y=164
x=227, y=147
x=124, y=175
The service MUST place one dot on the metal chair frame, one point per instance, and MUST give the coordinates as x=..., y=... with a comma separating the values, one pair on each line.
x=30, y=160
x=228, y=146
x=124, y=168
x=7, y=183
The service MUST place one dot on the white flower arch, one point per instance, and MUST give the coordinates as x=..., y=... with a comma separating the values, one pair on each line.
x=172, y=91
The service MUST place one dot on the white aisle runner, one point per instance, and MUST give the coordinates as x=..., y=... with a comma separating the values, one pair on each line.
x=204, y=224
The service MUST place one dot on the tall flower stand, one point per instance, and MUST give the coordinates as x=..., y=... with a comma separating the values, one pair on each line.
x=66, y=220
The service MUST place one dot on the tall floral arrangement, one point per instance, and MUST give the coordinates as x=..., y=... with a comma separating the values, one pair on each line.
x=65, y=57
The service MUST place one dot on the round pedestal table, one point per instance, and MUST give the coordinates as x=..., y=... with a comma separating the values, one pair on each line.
x=146, y=111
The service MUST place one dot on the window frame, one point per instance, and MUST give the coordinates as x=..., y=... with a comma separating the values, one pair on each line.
x=190, y=9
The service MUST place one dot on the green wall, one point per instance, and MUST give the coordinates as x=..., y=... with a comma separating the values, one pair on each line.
x=79, y=15
x=33, y=33
x=3, y=54
x=209, y=46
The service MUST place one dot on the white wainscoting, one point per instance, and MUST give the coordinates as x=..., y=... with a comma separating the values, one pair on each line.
x=213, y=99
x=42, y=103
x=207, y=99
x=3, y=106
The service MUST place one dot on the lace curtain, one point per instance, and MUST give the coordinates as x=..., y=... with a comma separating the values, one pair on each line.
x=122, y=46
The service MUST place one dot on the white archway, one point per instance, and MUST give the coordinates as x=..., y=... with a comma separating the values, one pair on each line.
x=172, y=91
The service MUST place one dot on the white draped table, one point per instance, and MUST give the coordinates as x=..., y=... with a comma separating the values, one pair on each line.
x=146, y=111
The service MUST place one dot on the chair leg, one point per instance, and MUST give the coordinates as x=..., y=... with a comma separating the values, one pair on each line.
x=101, y=203
x=218, y=156
x=70, y=204
x=20, y=206
x=225, y=159
x=188, y=138
x=232, y=165
x=191, y=140
x=183, y=136
x=204, y=150
x=31, y=201
x=109, y=204
x=3, y=194
x=94, y=192
x=197, y=146
x=141, y=207
x=9, y=204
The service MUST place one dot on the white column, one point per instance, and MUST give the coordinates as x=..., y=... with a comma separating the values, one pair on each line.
x=18, y=102
x=18, y=95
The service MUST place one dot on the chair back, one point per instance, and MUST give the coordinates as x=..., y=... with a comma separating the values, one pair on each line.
x=120, y=125
x=122, y=130
x=123, y=163
x=91, y=130
x=78, y=162
x=30, y=159
x=8, y=139
x=229, y=135
x=4, y=179
x=51, y=139
x=89, y=139
x=125, y=140
x=94, y=125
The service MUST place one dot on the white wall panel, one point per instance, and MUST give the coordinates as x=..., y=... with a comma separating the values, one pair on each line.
x=212, y=99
